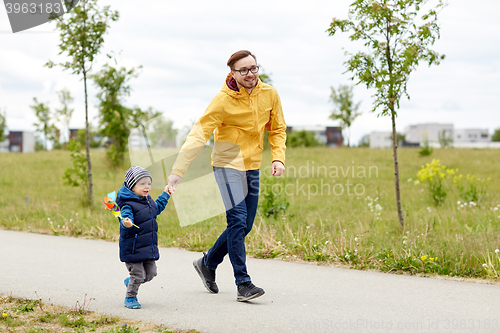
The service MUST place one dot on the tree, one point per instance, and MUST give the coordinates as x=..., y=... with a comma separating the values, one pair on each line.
x=65, y=112
x=302, y=139
x=81, y=35
x=95, y=138
x=445, y=140
x=264, y=77
x=400, y=138
x=161, y=132
x=344, y=108
x=114, y=118
x=398, y=37
x=44, y=126
x=496, y=135
x=140, y=117
x=3, y=126
x=364, y=141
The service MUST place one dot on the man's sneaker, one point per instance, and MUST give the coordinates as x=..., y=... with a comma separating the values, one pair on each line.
x=206, y=275
x=132, y=303
x=126, y=282
x=248, y=291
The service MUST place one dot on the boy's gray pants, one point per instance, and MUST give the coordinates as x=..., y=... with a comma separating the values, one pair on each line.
x=140, y=272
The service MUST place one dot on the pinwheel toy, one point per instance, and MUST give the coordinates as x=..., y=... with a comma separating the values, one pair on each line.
x=110, y=204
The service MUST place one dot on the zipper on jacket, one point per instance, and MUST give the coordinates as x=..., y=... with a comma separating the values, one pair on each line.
x=133, y=246
x=255, y=114
x=152, y=228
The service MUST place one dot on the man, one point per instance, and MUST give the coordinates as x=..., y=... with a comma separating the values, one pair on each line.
x=239, y=114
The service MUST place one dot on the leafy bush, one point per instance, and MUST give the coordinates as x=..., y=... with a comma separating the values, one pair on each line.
x=272, y=201
x=426, y=150
x=496, y=135
x=473, y=189
x=434, y=175
x=302, y=139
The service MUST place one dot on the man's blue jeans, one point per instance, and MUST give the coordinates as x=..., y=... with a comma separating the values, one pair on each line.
x=240, y=194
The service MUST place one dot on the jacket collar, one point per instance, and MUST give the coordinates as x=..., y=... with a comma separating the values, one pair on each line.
x=231, y=88
x=127, y=194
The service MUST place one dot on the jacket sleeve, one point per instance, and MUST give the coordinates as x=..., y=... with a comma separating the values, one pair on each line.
x=199, y=135
x=126, y=211
x=162, y=202
x=277, y=131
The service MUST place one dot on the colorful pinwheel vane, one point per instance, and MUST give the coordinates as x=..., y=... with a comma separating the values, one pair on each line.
x=110, y=204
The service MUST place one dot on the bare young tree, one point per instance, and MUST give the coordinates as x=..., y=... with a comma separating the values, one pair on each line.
x=398, y=35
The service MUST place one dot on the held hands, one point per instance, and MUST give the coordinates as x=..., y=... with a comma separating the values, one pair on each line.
x=173, y=181
x=127, y=222
x=167, y=190
x=277, y=168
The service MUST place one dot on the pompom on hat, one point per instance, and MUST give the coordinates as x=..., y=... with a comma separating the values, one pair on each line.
x=134, y=174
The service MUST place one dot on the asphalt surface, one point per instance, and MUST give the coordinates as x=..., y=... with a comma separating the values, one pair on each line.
x=299, y=297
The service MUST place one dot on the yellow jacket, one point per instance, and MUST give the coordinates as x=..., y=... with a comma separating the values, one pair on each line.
x=239, y=120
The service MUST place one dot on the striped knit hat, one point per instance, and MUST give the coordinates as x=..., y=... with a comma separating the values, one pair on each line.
x=134, y=174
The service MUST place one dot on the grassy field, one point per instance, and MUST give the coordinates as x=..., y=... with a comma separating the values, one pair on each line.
x=33, y=316
x=341, y=209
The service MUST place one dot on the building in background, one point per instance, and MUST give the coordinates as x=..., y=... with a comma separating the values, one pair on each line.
x=18, y=142
x=431, y=131
x=380, y=139
x=328, y=135
x=334, y=136
x=73, y=133
x=471, y=135
x=415, y=135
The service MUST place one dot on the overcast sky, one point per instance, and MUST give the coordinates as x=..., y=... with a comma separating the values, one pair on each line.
x=183, y=47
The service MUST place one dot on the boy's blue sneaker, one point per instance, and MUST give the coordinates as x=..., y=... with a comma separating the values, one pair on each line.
x=126, y=281
x=132, y=303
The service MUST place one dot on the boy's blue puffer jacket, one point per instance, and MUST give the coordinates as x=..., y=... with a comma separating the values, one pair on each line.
x=139, y=244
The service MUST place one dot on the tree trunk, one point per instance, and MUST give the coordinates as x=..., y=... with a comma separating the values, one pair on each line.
x=396, y=168
x=87, y=142
x=87, y=134
x=393, y=118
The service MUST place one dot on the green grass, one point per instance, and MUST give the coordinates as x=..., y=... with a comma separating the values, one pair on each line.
x=33, y=316
x=321, y=223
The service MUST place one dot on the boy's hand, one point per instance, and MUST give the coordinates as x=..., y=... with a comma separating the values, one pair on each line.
x=168, y=190
x=127, y=222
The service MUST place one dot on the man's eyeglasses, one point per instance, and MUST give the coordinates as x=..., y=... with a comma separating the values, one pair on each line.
x=244, y=71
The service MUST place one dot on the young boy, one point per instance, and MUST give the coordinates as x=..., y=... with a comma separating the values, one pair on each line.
x=139, y=246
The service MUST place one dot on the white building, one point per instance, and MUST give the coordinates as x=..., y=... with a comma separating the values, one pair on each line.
x=471, y=135
x=380, y=139
x=420, y=132
x=416, y=134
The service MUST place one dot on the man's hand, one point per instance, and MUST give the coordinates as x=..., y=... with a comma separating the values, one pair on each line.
x=173, y=181
x=127, y=222
x=277, y=169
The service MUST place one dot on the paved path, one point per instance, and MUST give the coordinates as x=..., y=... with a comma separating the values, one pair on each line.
x=299, y=297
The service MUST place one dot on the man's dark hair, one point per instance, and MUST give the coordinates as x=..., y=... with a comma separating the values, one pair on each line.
x=237, y=56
